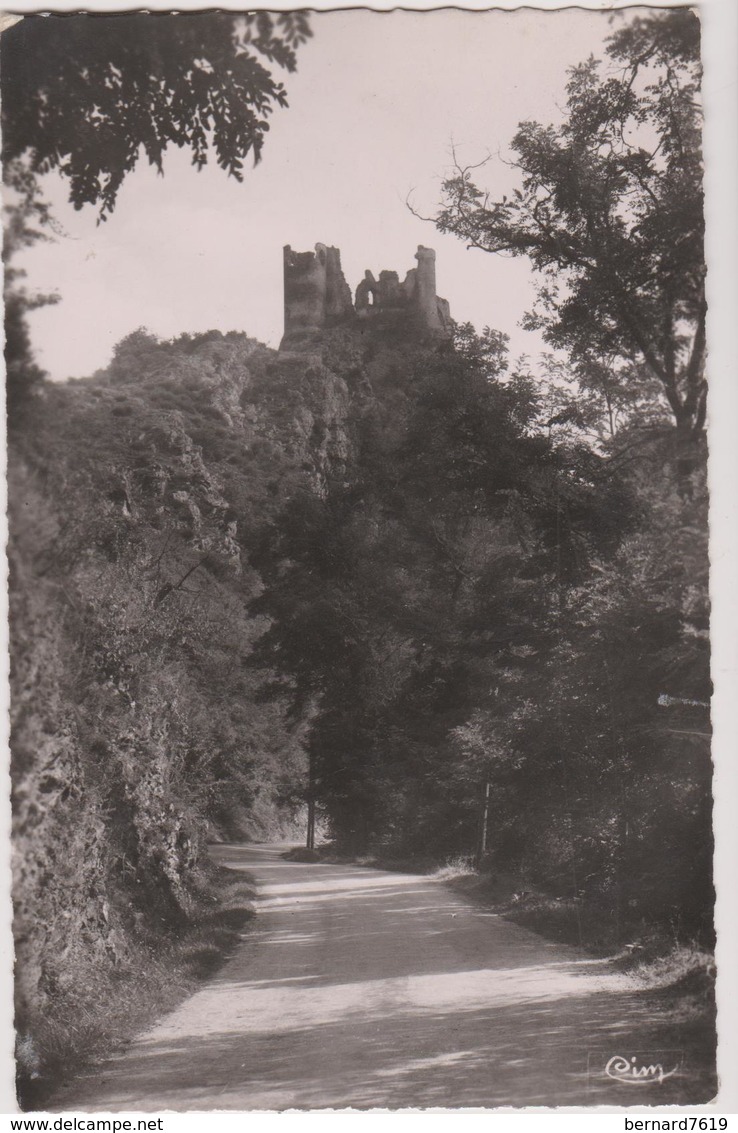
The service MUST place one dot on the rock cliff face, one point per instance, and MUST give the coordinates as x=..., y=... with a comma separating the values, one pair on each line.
x=317, y=298
x=137, y=724
x=144, y=503
x=62, y=844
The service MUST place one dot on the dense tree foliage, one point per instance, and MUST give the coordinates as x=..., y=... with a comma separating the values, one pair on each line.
x=26, y=222
x=386, y=582
x=84, y=94
x=609, y=211
x=481, y=597
x=392, y=579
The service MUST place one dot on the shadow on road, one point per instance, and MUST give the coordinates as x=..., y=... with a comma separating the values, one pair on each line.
x=361, y=988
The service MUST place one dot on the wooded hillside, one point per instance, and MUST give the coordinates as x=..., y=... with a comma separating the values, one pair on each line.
x=456, y=604
x=394, y=580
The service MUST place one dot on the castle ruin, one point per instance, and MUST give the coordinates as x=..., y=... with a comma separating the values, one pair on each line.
x=318, y=298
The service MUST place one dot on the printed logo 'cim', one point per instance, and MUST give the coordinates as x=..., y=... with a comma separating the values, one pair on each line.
x=637, y=1070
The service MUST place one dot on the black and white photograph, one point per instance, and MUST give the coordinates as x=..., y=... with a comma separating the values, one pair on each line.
x=358, y=477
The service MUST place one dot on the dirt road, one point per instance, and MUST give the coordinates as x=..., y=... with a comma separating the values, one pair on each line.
x=363, y=988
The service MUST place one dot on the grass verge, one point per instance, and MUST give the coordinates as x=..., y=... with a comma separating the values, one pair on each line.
x=681, y=976
x=678, y=979
x=109, y=1004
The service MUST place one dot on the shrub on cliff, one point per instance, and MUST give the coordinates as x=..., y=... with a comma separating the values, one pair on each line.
x=138, y=729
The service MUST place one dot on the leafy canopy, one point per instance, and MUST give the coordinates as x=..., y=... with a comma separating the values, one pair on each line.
x=84, y=94
x=610, y=211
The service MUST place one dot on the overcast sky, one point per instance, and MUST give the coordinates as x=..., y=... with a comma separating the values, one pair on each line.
x=377, y=101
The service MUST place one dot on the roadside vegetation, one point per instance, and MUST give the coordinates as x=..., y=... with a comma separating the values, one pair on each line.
x=139, y=732
x=100, y=1010
x=675, y=977
x=455, y=601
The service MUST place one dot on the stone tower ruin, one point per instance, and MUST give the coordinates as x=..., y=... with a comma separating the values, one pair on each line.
x=318, y=298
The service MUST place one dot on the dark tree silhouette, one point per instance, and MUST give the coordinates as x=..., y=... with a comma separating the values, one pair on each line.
x=610, y=212
x=84, y=94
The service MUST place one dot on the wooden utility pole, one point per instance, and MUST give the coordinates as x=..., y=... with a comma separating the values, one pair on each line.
x=483, y=826
x=310, y=840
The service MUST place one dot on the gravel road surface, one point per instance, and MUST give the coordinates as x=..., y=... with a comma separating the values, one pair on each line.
x=364, y=988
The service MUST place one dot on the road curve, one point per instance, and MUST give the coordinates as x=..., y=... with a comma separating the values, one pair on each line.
x=364, y=988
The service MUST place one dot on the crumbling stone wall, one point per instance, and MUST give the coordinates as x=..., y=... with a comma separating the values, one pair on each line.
x=316, y=294
x=317, y=297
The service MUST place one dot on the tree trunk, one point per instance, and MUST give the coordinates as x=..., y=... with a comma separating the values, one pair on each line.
x=310, y=840
x=482, y=848
x=687, y=454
